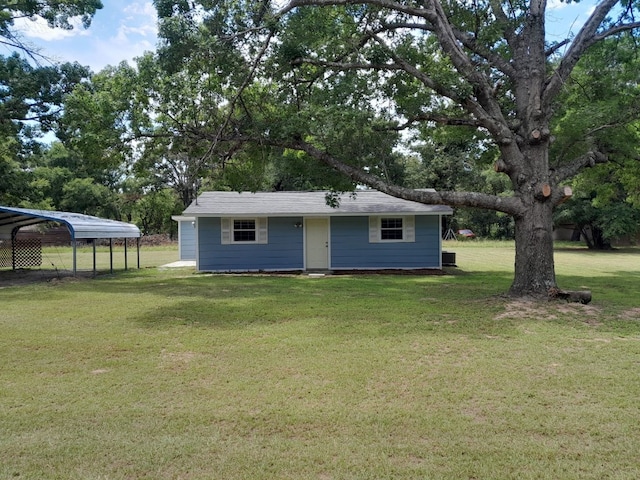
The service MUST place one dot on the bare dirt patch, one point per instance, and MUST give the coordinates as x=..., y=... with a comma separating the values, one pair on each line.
x=632, y=314
x=532, y=310
x=24, y=276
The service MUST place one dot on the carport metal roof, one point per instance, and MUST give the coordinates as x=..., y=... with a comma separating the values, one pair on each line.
x=80, y=227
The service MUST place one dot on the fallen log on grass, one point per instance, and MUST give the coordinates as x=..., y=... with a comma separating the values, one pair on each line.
x=571, y=296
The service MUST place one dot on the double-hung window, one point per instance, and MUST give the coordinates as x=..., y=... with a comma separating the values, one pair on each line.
x=392, y=229
x=243, y=230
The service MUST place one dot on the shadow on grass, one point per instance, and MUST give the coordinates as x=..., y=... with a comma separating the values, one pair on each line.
x=340, y=306
x=379, y=319
x=461, y=302
x=611, y=284
x=582, y=249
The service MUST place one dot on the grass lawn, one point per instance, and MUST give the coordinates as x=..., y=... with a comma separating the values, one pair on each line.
x=168, y=374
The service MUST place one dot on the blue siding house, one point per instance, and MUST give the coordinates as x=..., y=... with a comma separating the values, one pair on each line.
x=299, y=231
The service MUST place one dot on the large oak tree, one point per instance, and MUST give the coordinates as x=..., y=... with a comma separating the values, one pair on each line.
x=328, y=74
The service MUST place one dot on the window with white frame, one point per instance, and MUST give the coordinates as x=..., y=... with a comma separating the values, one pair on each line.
x=243, y=230
x=392, y=229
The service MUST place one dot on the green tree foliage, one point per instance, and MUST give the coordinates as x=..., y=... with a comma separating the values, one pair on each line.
x=458, y=159
x=603, y=110
x=57, y=180
x=602, y=210
x=173, y=151
x=204, y=102
x=154, y=209
x=173, y=125
x=31, y=97
x=13, y=181
x=30, y=105
x=51, y=170
x=83, y=195
x=95, y=125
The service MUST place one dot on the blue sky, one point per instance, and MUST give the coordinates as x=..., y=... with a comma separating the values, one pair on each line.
x=564, y=18
x=123, y=30
x=120, y=31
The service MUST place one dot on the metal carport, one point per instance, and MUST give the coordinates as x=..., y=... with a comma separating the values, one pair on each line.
x=81, y=227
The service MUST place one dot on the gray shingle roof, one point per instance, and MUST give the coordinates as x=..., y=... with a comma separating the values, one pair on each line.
x=274, y=204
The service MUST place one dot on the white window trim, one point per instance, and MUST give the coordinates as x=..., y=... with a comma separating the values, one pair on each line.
x=226, y=231
x=408, y=229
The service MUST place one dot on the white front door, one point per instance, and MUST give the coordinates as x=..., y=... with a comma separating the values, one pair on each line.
x=317, y=243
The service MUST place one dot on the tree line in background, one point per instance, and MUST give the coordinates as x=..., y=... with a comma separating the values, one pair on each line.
x=469, y=99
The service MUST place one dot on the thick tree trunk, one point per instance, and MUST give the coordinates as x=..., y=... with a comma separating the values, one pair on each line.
x=534, y=266
x=599, y=242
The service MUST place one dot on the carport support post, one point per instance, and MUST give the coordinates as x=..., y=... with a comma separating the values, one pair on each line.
x=94, y=256
x=138, y=247
x=125, y=254
x=75, y=258
x=111, y=255
x=13, y=248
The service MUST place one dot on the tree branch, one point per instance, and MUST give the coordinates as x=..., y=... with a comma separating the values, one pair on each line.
x=415, y=11
x=495, y=61
x=554, y=48
x=503, y=19
x=483, y=105
x=615, y=30
x=399, y=65
x=569, y=170
x=489, y=113
x=508, y=205
x=470, y=104
x=439, y=119
x=235, y=99
x=433, y=13
x=585, y=38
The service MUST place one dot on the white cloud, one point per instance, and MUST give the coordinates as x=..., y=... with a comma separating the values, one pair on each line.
x=38, y=27
x=135, y=34
x=146, y=9
x=139, y=21
x=556, y=4
x=124, y=31
x=121, y=31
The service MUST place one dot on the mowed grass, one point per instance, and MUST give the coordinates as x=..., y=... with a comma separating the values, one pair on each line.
x=168, y=374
